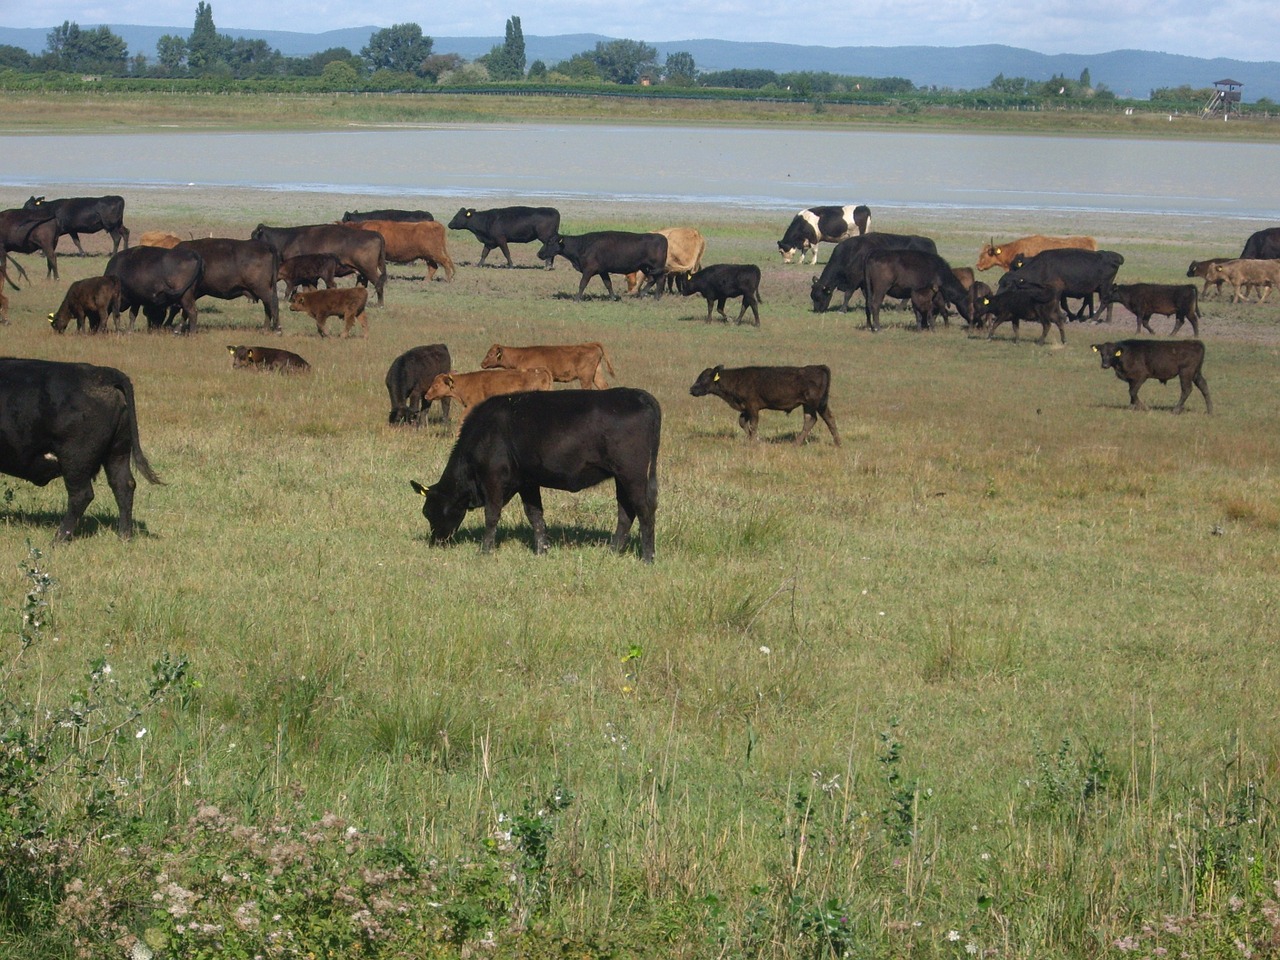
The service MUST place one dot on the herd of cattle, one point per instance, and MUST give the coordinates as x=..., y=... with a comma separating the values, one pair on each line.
x=516, y=435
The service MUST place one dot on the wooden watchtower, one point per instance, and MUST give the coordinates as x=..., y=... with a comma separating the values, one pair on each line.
x=1225, y=100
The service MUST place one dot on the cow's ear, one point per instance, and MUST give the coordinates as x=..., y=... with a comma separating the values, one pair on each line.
x=448, y=380
x=249, y=355
x=419, y=488
x=1095, y=349
x=51, y=318
x=997, y=250
x=231, y=349
x=1119, y=352
x=498, y=355
x=716, y=377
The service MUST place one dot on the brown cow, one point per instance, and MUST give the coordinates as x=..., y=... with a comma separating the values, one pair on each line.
x=1144, y=300
x=469, y=389
x=159, y=238
x=1001, y=255
x=1200, y=268
x=347, y=303
x=308, y=269
x=1243, y=274
x=579, y=361
x=1137, y=361
x=92, y=300
x=752, y=389
x=685, y=247
x=407, y=242
x=267, y=358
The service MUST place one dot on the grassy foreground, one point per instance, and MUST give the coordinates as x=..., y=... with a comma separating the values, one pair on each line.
x=994, y=678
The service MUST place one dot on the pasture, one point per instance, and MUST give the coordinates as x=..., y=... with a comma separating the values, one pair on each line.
x=996, y=677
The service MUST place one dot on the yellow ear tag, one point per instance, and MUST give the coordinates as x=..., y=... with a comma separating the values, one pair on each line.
x=1095, y=348
x=997, y=249
x=1119, y=352
x=715, y=378
x=51, y=318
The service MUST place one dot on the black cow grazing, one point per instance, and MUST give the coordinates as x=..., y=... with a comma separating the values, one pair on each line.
x=502, y=225
x=817, y=225
x=612, y=251
x=900, y=273
x=408, y=378
x=154, y=279
x=77, y=215
x=1077, y=273
x=721, y=282
x=846, y=270
x=1036, y=304
x=71, y=420
x=752, y=389
x=93, y=300
x=364, y=251
x=1263, y=245
x=401, y=216
x=238, y=268
x=1137, y=361
x=1144, y=300
x=309, y=269
x=562, y=439
x=29, y=231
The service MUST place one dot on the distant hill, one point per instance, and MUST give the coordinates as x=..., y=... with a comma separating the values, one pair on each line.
x=1129, y=73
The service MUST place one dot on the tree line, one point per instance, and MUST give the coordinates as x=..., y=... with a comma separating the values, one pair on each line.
x=402, y=57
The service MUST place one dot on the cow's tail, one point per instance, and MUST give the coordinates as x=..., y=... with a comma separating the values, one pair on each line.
x=125, y=386
x=9, y=258
x=604, y=355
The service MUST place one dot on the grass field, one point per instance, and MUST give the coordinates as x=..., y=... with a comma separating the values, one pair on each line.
x=996, y=677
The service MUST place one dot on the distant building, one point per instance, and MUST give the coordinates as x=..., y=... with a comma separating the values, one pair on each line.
x=1225, y=100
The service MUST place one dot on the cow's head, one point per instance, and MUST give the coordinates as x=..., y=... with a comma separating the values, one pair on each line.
x=989, y=256
x=461, y=217
x=1018, y=262
x=1110, y=353
x=707, y=381
x=551, y=248
x=493, y=358
x=787, y=250
x=58, y=323
x=821, y=295
x=241, y=356
x=444, y=513
x=32, y=203
x=441, y=386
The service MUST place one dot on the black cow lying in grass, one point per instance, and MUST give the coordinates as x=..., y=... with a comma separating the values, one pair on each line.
x=1137, y=361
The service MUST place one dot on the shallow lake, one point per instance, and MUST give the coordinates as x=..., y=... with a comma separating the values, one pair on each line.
x=489, y=164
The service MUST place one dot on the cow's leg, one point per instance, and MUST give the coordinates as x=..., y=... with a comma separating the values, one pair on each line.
x=1062, y=331
x=531, y=497
x=1144, y=320
x=1185, y=383
x=364, y=323
x=120, y=477
x=743, y=312
x=755, y=307
x=75, y=238
x=608, y=286
x=502, y=245
x=493, y=504
x=749, y=420
x=1134, y=402
x=1203, y=386
x=485, y=253
x=809, y=420
x=720, y=302
x=320, y=318
x=598, y=381
x=830, y=419
x=79, y=496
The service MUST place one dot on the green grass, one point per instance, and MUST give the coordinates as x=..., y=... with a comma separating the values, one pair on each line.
x=1001, y=664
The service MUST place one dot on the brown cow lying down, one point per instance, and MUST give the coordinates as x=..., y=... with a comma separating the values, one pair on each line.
x=752, y=389
x=579, y=361
x=1003, y=254
x=1137, y=361
x=470, y=389
x=347, y=303
x=159, y=238
x=1243, y=274
x=93, y=299
x=267, y=358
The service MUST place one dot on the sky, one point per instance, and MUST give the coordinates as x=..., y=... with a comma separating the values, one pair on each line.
x=1239, y=29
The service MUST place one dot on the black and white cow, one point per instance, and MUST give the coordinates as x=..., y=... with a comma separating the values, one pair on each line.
x=817, y=225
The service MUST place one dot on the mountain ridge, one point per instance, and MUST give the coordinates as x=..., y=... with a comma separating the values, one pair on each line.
x=1128, y=73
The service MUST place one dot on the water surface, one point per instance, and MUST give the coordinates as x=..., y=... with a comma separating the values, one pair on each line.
x=744, y=167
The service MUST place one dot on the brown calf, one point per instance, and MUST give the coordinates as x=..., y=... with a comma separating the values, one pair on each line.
x=267, y=358
x=92, y=300
x=1243, y=274
x=159, y=238
x=347, y=303
x=579, y=361
x=469, y=389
